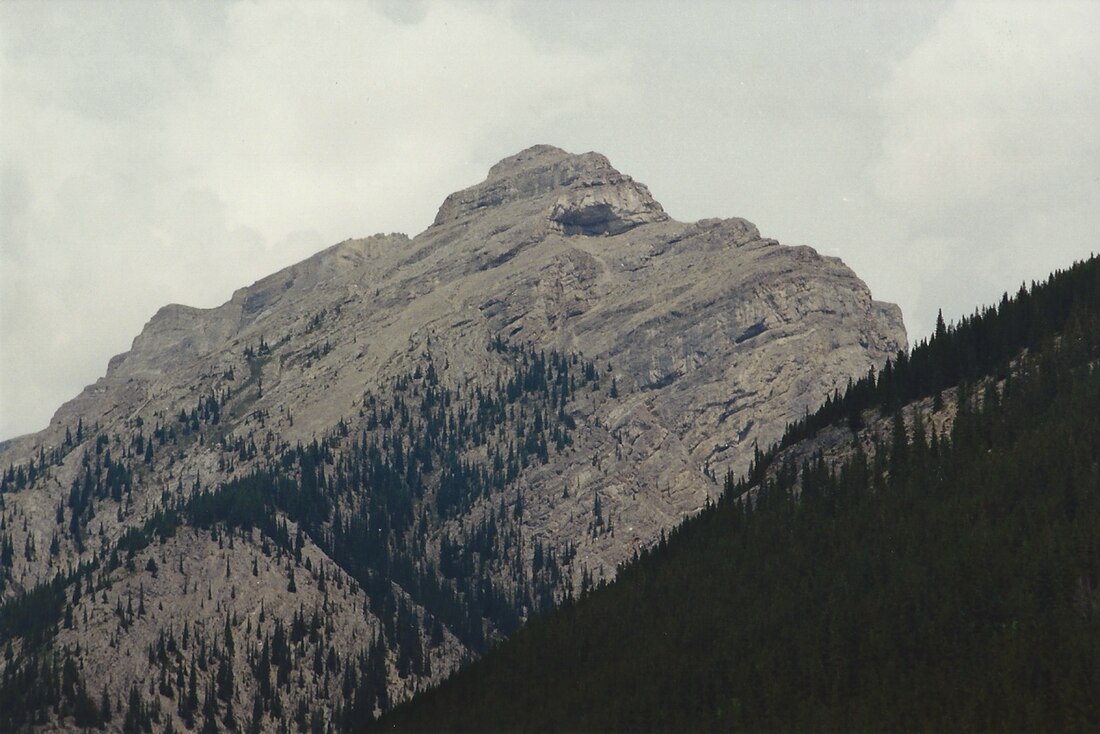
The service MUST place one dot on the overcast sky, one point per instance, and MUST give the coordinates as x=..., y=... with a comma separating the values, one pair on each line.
x=173, y=152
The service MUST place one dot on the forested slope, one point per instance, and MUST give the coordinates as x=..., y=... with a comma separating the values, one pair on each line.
x=938, y=582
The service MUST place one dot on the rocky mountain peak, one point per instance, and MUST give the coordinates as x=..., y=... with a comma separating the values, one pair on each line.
x=579, y=194
x=534, y=157
x=434, y=437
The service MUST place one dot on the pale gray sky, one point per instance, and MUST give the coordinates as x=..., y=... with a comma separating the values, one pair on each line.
x=172, y=152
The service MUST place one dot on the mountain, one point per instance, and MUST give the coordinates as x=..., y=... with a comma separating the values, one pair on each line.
x=921, y=554
x=324, y=495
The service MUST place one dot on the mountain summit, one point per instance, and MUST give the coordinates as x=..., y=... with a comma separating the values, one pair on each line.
x=581, y=194
x=420, y=441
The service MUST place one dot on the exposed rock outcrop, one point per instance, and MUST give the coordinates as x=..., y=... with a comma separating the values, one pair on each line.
x=704, y=339
x=582, y=194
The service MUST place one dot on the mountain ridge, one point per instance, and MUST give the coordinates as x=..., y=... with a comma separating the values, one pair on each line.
x=512, y=402
x=247, y=305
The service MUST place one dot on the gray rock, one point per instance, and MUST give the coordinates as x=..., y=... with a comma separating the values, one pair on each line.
x=714, y=337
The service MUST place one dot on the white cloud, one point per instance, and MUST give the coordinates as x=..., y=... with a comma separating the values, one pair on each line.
x=996, y=101
x=990, y=143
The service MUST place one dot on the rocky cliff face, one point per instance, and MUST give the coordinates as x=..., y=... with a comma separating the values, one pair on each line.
x=511, y=403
